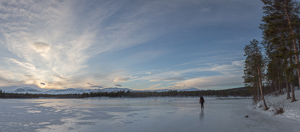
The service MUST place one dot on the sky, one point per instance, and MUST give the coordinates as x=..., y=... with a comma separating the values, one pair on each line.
x=136, y=44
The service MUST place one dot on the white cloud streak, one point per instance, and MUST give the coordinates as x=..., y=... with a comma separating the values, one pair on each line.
x=154, y=86
x=231, y=75
x=25, y=65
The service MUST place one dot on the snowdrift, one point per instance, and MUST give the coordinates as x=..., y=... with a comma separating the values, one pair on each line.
x=291, y=109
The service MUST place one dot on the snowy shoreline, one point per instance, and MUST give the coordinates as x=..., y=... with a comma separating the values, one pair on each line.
x=291, y=109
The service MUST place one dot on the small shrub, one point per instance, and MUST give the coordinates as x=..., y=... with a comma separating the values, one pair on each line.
x=277, y=108
x=255, y=99
x=279, y=111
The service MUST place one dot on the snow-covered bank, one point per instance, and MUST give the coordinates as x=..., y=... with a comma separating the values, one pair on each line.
x=291, y=109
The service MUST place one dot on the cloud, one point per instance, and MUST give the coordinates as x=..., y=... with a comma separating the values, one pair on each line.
x=45, y=38
x=172, y=75
x=154, y=86
x=169, y=79
x=148, y=73
x=8, y=80
x=54, y=40
x=58, y=76
x=121, y=79
x=239, y=63
x=206, y=9
x=118, y=85
x=236, y=67
x=228, y=75
x=124, y=79
x=23, y=64
x=41, y=47
x=97, y=86
x=215, y=82
x=231, y=75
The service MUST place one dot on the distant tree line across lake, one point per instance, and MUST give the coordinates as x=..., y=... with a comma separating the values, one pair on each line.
x=242, y=92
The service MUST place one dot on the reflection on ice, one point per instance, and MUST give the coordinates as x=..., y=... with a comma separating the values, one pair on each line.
x=201, y=115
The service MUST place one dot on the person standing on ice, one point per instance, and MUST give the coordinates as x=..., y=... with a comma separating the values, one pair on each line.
x=201, y=101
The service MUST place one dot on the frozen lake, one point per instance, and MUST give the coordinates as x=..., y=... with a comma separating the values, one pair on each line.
x=137, y=115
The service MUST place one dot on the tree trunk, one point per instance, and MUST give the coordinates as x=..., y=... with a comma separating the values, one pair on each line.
x=259, y=80
x=279, y=82
x=280, y=90
x=295, y=49
x=292, y=92
x=288, y=96
x=258, y=95
x=261, y=90
x=276, y=86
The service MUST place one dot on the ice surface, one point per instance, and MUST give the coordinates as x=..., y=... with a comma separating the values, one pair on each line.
x=137, y=115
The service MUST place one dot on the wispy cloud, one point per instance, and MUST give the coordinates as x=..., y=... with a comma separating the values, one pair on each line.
x=55, y=38
x=154, y=86
x=22, y=64
x=169, y=79
x=118, y=85
x=215, y=82
x=44, y=39
x=123, y=79
x=148, y=73
x=231, y=75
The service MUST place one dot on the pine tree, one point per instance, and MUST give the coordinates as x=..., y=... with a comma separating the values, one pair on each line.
x=254, y=65
x=291, y=11
x=280, y=29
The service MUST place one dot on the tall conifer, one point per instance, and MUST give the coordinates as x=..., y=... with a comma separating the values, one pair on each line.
x=280, y=30
x=255, y=64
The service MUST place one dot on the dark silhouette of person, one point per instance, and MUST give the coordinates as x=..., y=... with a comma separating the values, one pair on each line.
x=201, y=101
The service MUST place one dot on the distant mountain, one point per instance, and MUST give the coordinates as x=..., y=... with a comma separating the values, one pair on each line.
x=26, y=90
x=166, y=90
x=190, y=89
x=80, y=91
x=113, y=90
x=67, y=91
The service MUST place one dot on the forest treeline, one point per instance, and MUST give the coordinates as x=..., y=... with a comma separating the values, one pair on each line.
x=272, y=65
x=241, y=92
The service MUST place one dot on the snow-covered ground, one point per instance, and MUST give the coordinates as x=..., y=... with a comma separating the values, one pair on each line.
x=136, y=115
x=291, y=109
